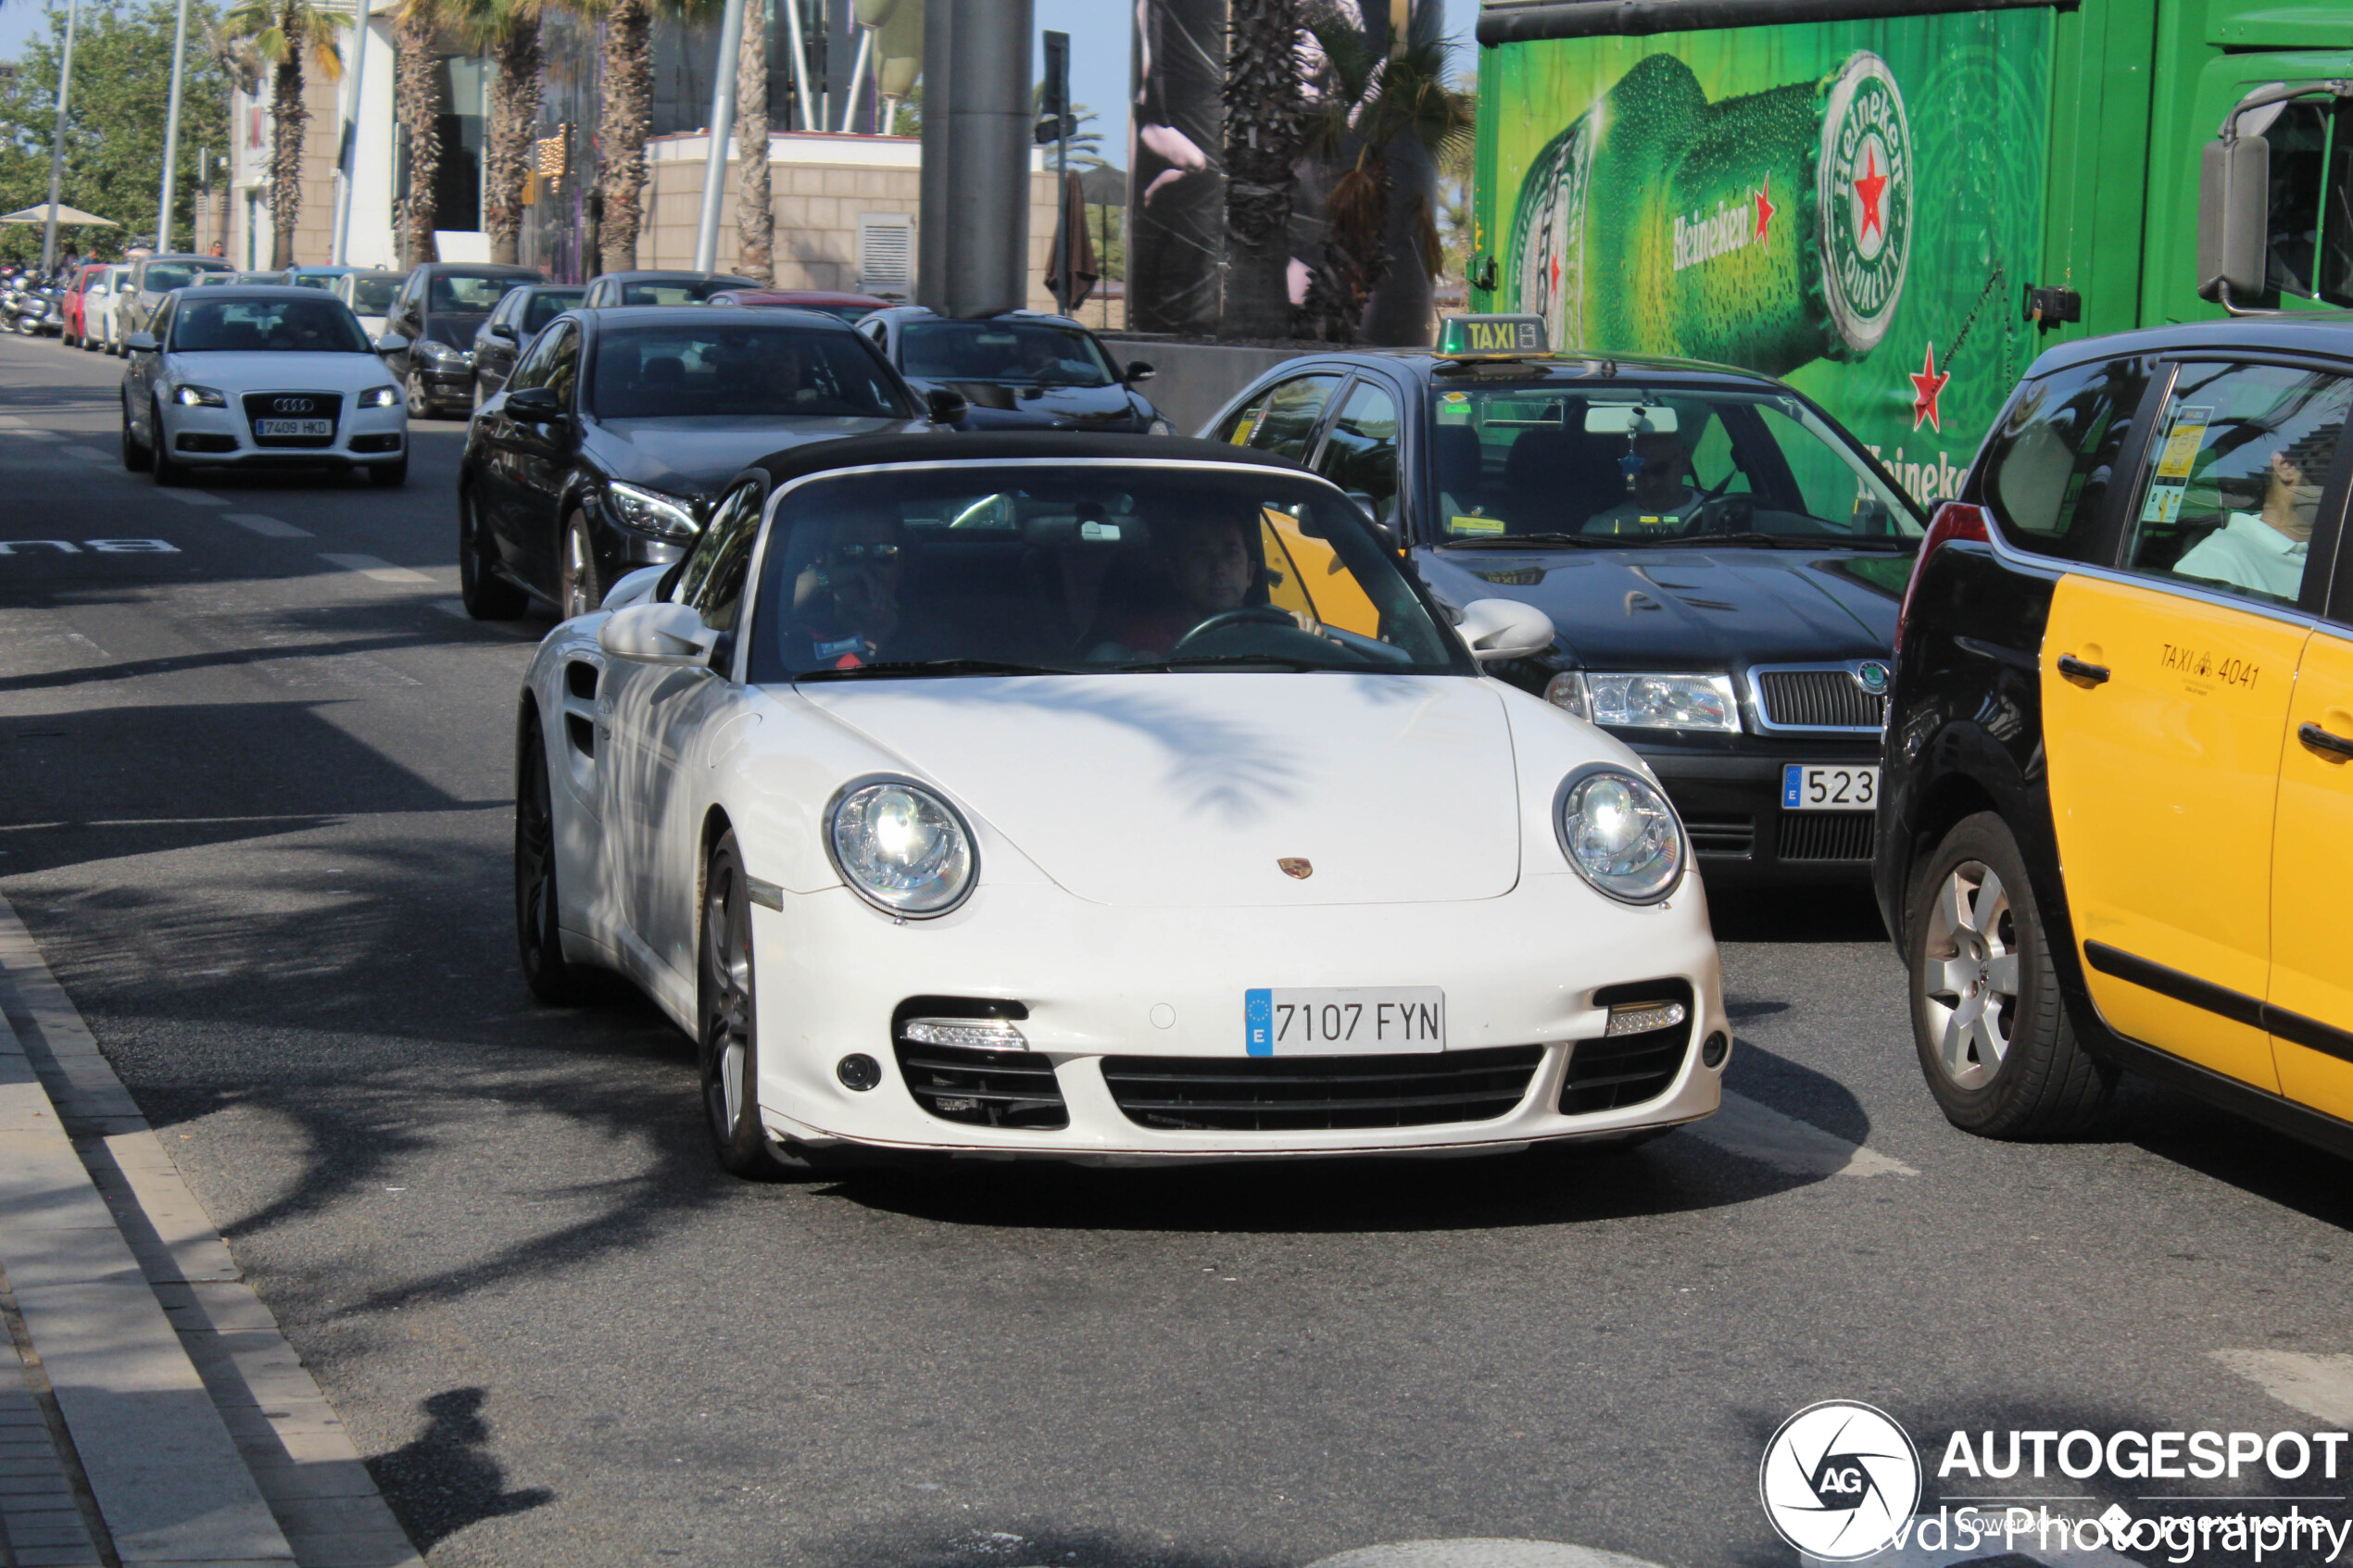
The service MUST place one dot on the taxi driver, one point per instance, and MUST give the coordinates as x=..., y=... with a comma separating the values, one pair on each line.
x=1661, y=459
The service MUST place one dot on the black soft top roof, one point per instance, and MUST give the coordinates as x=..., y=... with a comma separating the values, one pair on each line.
x=1031, y=446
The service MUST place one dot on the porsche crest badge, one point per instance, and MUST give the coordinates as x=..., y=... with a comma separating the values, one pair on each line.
x=1296, y=865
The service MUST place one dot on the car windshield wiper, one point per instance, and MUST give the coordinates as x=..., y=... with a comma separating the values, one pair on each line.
x=902, y=667
x=1524, y=541
x=1211, y=661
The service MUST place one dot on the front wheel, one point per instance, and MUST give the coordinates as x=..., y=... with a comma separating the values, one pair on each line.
x=540, y=942
x=136, y=455
x=730, y=1034
x=419, y=400
x=579, y=590
x=389, y=476
x=166, y=470
x=486, y=595
x=1992, y=1030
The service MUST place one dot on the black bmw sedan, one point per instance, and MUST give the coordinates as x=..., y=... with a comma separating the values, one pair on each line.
x=1017, y=369
x=1722, y=562
x=616, y=429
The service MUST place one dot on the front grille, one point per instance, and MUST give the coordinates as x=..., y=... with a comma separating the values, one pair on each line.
x=327, y=405
x=984, y=1088
x=191, y=441
x=1608, y=1074
x=1319, y=1092
x=1827, y=835
x=1827, y=698
x=1724, y=838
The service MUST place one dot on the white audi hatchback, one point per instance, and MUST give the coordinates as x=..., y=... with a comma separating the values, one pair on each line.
x=253, y=376
x=1108, y=799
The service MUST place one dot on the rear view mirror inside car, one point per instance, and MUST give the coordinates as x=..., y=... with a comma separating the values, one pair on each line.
x=1629, y=419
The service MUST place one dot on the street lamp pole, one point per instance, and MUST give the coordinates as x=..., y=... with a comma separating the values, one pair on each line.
x=722, y=125
x=58, y=142
x=351, y=164
x=172, y=131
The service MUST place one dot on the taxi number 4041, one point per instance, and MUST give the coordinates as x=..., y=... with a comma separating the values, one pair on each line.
x=1344, y=1021
x=1829, y=787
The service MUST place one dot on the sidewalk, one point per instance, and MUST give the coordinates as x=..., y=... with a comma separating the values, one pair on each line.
x=150, y=1411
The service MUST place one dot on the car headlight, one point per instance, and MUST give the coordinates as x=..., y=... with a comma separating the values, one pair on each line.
x=900, y=848
x=1620, y=835
x=652, y=513
x=1160, y=427
x=442, y=354
x=1653, y=702
x=199, y=397
x=379, y=397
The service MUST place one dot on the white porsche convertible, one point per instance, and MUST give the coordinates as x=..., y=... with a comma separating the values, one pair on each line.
x=1102, y=798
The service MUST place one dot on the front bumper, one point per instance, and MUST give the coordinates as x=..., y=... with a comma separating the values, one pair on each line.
x=1731, y=803
x=223, y=437
x=1102, y=983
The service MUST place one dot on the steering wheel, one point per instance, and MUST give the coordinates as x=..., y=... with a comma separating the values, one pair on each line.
x=1249, y=615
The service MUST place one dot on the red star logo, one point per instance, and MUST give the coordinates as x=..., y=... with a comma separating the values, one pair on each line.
x=1869, y=188
x=1927, y=386
x=1556, y=275
x=1765, y=208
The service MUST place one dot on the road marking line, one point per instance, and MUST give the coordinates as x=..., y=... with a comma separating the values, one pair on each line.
x=191, y=497
x=90, y=454
x=2320, y=1386
x=268, y=527
x=380, y=569
x=1758, y=1132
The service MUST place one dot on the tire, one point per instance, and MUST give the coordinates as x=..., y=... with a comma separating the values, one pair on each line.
x=137, y=457
x=579, y=589
x=551, y=977
x=420, y=401
x=389, y=476
x=1993, y=1037
x=486, y=595
x=727, y=1040
x=168, y=472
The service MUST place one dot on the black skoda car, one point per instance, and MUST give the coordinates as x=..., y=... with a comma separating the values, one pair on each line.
x=1722, y=561
x=617, y=428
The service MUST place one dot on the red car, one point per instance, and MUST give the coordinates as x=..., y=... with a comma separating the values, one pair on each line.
x=849, y=306
x=71, y=304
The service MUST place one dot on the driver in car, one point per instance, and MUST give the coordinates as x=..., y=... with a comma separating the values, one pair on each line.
x=1208, y=564
x=1660, y=500
x=845, y=602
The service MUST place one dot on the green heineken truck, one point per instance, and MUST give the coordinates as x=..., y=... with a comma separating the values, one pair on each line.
x=1894, y=205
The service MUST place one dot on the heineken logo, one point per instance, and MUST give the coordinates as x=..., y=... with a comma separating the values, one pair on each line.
x=1730, y=228
x=1865, y=199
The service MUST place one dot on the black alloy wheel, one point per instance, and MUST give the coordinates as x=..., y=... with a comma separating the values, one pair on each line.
x=1994, y=1040
x=486, y=595
x=551, y=977
x=729, y=1036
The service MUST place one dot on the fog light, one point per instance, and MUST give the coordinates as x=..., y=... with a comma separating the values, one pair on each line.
x=858, y=1071
x=1642, y=1018
x=969, y=1033
x=1712, y=1054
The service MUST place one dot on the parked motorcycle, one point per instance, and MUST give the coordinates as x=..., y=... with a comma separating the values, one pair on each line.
x=36, y=312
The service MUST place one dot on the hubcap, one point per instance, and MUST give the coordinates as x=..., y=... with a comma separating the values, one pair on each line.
x=1969, y=975
x=576, y=574
x=727, y=1027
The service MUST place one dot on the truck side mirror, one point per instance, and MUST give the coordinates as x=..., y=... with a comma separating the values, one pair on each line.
x=2234, y=219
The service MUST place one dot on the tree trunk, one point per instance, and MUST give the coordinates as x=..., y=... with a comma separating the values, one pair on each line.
x=755, y=216
x=285, y=152
x=514, y=115
x=417, y=100
x=628, y=80
x=1262, y=142
x=1397, y=313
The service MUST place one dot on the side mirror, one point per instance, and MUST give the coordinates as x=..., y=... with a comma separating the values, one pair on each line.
x=945, y=407
x=658, y=633
x=635, y=587
x=1504, y=629
x=535, y=406
x=1138, y=371
x=504, y=330
x=141, y=343
x=2234, y=219
x=391, y=343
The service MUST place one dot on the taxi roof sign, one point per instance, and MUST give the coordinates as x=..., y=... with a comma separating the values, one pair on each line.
x=1491, y=337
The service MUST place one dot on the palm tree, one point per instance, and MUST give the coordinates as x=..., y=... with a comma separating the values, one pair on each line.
x=507, y=31
x=283, y=34
x=1264, y=117
x=416, y=103
x=755, y=215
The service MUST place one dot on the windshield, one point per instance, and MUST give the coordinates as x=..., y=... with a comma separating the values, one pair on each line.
x=1624, y=462
x=1022, y=353
x=736, y=366
x=313, y=326
x=372, y=296
x=545, y=306
x=1081, y=569
x=313, y=280
x=467, y=291
x=678, y=291
x=165, y=276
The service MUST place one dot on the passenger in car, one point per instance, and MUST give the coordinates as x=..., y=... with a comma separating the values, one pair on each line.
x=2265, y=550
x=846, y=603
x=1207, y=567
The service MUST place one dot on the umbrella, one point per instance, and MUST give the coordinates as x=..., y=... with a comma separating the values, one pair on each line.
x=1105, y=186
x=67, y=216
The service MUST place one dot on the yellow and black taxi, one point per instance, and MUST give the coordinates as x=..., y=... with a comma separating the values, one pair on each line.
x=2117, y=821
x=1721, y=561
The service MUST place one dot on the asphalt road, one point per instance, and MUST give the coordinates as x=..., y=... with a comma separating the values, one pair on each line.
x=255, y=805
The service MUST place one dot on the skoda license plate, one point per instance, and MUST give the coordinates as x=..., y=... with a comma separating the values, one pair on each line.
x=1359, y=1021
x=294, y=427
x=1833, y=787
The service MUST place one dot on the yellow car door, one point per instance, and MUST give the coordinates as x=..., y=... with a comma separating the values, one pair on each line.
x=2311, y=989
x=2166, y=692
